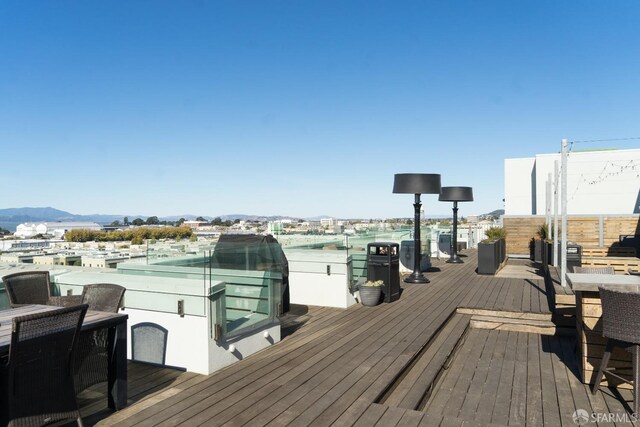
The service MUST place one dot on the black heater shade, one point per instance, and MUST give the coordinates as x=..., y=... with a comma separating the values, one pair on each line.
x=416, y=183
x=456, y=194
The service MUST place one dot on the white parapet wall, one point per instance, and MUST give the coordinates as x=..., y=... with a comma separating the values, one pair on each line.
x=320, y=277
x=191, y=339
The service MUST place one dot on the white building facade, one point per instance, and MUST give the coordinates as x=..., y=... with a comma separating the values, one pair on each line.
x=55, y=229
x=603, y=182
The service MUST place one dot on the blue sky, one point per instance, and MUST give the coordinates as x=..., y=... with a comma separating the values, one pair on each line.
x=300, y=108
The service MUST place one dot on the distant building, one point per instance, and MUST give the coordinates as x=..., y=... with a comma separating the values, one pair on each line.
x=102, y=261
x=603, y=182
x=55, y=229
x=326, y=222
x=473, y=219
x=195, y=224
x=58, y=259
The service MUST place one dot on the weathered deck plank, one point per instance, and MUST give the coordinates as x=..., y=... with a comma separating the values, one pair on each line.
x=490, y=388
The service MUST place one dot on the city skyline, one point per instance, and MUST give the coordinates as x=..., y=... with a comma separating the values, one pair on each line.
x=300, y=109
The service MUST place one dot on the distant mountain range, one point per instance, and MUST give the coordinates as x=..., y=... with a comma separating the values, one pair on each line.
x=494, y=214
x=10, y=218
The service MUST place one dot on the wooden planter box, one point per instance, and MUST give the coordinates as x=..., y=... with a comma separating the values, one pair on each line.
x=491, y=256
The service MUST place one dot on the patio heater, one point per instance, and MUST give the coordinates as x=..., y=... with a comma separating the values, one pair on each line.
x=455, y=195
x=417, y=184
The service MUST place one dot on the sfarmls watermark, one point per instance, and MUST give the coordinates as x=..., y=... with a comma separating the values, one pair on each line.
x=582, y=417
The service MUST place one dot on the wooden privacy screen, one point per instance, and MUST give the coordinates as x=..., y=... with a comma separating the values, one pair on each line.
x=584, y=230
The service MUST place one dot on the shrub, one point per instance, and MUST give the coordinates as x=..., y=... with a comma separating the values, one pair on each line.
x=373, y=283
x=543, y=232
x=495, y=233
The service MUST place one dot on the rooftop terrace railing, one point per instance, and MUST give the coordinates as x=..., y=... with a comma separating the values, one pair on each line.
x=251, y=297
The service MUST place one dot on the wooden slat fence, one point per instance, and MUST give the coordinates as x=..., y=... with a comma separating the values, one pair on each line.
x=583, y=230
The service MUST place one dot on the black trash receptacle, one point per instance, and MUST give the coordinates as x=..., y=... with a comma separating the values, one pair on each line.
x=574, y=256
x=383, y=263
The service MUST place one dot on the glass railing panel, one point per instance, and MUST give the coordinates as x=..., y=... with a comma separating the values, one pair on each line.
x=4, y=299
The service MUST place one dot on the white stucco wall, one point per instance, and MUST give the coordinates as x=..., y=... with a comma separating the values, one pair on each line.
x=518, y=187
x=598, y=183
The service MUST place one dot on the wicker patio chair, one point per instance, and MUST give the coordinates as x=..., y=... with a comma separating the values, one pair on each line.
x=37, y=382
x=92, y=357
x=103, y=296
x=28, y=287
x=149, y=343
x=65, y=300
x=594, y=270
x=621, y=327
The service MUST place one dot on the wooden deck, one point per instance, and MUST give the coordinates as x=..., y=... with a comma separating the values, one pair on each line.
x=387, y=365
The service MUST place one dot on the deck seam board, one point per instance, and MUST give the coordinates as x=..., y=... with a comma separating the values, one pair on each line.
x=509, y=297
x=534, y=387
x=565, y=398
x=371, y=416
x=496, y=299
x=526, y=298
x=410, y=419
x=578, y=390
x=518, y=409
x=480, y=375
x=458, y=392
x=391, y=417
x=550, y=405
x=502, y=403
x=490, y=388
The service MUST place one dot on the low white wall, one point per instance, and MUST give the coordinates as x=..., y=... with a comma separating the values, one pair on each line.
x=187, y=340
x=319, y=278
x=246, y=345
x=190, y=340
x=320, y=290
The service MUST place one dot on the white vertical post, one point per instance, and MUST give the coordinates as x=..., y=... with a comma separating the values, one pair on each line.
x=563, y=262
x=547, y=208
x=601, y=231
x=556, y=199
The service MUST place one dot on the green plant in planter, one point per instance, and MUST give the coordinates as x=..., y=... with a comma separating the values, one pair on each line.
x=543, y=232
x=494, y=233
x=492, y=251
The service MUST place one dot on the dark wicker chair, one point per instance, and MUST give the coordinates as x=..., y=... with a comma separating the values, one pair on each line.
x=621, y=327
x=103, y=297
x=149, y=343
x=28, y=287
x=37, y=382
x=594, y=270
x=92, y=357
